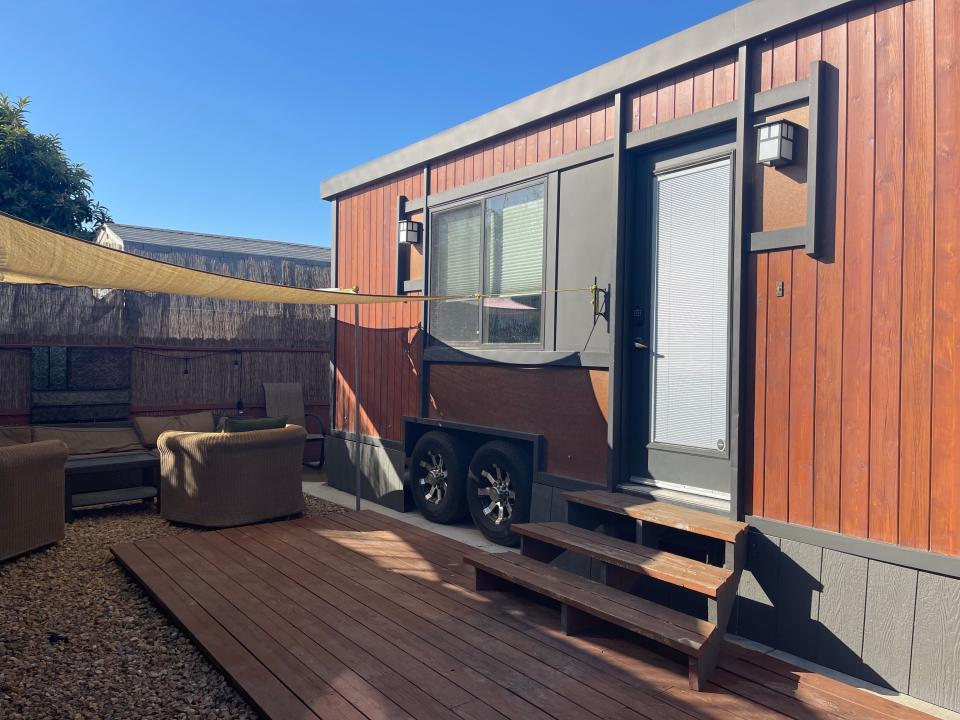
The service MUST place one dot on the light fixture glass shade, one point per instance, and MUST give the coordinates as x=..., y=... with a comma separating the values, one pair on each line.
x=775, y=143
x=408, y=232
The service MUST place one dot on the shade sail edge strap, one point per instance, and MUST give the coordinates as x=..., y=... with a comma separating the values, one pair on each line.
x=33, y=255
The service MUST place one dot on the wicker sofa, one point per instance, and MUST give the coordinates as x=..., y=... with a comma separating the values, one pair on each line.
x=31, y=496
x=227, y=479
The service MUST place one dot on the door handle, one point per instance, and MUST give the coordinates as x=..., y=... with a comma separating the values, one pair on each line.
x=640, y=344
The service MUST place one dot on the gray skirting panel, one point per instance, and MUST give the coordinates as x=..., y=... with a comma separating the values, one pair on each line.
x=381, y=470
x=885, y=623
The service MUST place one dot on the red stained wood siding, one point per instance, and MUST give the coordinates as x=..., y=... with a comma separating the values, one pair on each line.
x=575, y=441
x=551, y=138
x=854, y=394
x=707, y=86
x=918, y=221
x=389, y=335
x=945, y=461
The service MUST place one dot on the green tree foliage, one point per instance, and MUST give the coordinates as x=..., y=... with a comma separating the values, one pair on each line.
x=39, y=183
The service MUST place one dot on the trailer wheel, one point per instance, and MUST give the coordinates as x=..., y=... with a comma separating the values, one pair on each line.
x=498, y=490
x=438, y=476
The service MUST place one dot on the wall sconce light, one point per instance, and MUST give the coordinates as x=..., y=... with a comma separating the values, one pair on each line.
x=408, y=232
x=775, y=143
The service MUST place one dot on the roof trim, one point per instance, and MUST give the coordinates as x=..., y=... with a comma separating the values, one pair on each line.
x=119, y=235
x=723, y=32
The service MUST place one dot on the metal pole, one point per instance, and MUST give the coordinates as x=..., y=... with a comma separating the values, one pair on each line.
x=356, y=398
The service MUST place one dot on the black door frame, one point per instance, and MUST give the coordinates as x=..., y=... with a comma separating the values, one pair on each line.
x=736, y=115
x=680, y=462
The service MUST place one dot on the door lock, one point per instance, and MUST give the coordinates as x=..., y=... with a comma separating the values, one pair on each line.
x=639, y=344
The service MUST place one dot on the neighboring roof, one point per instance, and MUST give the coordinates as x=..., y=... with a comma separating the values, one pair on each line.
x=118, y=236
x=721, y=33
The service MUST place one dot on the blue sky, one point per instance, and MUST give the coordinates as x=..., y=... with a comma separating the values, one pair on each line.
x=224, y=117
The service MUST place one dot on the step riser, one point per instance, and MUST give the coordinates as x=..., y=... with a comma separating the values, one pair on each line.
x=653, y=512
x=654, y=525
x=540, y=550
x=496, y=573
x=547, y=541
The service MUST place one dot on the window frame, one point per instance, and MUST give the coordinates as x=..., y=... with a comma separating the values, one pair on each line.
x=481, y=199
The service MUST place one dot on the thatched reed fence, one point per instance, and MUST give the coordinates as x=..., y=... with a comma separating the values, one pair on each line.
x=73, y=316
x=70, y=354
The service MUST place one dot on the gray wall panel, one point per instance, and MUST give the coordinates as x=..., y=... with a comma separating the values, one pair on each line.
x=888, y=630
x=755, y=616
x=842, y=606
x=798, y=609
x=541, y=502
x=935, y=666
x=558, y=511
x=585, y=245
x=381, y=471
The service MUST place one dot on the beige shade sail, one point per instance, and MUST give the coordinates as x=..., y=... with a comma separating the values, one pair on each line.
x=32, y=255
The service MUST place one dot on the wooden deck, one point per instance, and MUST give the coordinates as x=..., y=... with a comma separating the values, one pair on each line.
x=360, y=616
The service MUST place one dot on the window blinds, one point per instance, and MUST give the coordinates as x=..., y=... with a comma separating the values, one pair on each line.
x=514, y=251
x=506, y=242
x=691, y=312
x=455, y=271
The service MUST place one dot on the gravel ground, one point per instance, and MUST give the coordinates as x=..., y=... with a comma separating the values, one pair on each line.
x=80, y=639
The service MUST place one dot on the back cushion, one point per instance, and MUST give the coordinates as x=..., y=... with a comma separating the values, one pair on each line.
x=90, y=441
x=238, y=425
x=15, y=435
x=149, y=428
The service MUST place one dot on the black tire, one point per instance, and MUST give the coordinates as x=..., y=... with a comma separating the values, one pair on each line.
x=498, y=490
x=439, y=457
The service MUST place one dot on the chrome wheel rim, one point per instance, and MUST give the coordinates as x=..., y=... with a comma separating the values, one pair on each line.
x=434, y=481
x=498, y=495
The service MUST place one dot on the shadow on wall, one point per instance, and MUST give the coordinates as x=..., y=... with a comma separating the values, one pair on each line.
x=813, y=602
x=389, y=377
x=567, y=405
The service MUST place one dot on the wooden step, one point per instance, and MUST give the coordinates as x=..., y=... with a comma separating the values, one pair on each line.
x=661, y=513
x=584, y=601
x=668, y=567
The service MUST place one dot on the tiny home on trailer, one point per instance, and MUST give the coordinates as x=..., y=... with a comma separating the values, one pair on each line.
x=720, y=272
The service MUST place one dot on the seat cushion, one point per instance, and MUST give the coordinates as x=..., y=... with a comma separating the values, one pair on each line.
x=91, y=441
x=15, y=435
x=150, y=427
x=238, y=425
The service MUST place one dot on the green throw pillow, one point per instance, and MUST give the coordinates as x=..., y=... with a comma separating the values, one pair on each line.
x=238, y=425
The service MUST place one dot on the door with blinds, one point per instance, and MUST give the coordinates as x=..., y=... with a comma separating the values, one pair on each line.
x=681, y=340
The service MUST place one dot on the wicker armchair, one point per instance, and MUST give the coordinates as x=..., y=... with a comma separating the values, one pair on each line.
x=226, y=479
x=31, y=496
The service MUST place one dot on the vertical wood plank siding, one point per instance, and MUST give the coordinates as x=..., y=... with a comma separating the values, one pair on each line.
x=707, y=86
x=945, y=475
x=855, y=388
x=389, y=334
x=916, y=373
x=590, y=125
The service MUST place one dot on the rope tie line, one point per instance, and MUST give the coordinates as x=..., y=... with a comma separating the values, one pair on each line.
x=492, y=296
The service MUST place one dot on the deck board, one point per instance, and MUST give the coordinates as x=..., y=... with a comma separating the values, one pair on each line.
x=363, y=616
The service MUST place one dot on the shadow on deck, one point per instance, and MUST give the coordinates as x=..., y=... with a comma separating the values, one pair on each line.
x=361, y=616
